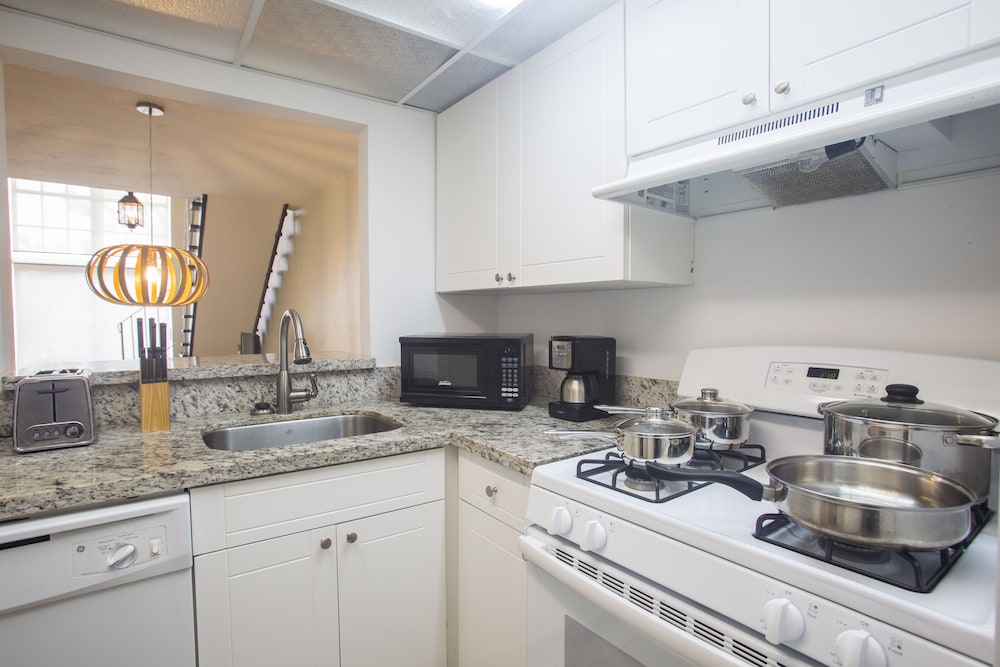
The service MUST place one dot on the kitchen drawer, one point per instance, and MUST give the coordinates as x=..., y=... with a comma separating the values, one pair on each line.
x=236, y=513
x=500, y=492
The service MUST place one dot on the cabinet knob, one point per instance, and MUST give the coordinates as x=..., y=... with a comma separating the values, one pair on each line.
x=325, y=543
x=511, y=277
x=352, y=538
x=491, y=491
x=749, y=99
x=782, y=87
x=498, y=277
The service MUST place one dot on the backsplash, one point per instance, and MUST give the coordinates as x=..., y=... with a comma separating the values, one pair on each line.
x=118, y=404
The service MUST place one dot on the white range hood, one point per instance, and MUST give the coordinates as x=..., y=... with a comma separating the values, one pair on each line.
x=943, y=122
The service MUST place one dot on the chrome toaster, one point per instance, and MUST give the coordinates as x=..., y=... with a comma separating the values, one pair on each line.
x=53, y=409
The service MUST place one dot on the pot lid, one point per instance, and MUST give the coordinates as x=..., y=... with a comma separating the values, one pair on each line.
x=901, y=405
x=709, y=403
x=657, y=422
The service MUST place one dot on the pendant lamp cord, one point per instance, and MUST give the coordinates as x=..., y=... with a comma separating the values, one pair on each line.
x=149, y=112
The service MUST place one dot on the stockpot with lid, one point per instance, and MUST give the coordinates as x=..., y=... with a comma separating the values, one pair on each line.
x=721, y=424
x=903, y=428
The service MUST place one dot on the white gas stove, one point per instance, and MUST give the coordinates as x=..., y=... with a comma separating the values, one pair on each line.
x=691, y=578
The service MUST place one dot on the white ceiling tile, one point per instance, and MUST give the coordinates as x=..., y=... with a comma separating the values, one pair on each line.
x=453, y=22
x=465, y=76
x=207, y=29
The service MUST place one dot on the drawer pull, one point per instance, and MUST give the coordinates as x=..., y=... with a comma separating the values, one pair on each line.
x=352, y=538
x=491, y=491
x=325, y=543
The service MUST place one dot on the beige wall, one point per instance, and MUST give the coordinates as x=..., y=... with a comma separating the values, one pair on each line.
x=323, y=281
x=239, y=233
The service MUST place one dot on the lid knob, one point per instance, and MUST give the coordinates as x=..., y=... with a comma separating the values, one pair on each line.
x=902, y=393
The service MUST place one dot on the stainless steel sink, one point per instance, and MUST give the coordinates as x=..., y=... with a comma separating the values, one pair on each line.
x=296, y=431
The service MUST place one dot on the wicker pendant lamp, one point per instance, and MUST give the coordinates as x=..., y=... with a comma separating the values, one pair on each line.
x=147, y=275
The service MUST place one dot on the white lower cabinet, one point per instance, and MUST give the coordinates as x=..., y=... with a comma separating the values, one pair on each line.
x=356, y=577
x=491, y=572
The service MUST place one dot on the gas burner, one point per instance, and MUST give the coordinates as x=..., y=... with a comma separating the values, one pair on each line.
x=637, y=480
x=624, y=475
x=917, y=571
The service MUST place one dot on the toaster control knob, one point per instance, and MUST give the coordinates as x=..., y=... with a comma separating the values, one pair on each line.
x=857, y=648
x=783, y=621
x=562, y=521
x=74, y=431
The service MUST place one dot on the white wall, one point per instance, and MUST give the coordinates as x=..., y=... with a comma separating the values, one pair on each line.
x=396, y=177
x=915, y=270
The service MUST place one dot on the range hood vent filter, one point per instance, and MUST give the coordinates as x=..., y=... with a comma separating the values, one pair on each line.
x=838, y=170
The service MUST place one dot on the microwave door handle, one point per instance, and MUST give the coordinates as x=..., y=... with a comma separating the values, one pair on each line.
x=679, y=641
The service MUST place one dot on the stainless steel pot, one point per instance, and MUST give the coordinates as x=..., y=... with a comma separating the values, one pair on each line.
x=653, y=437
x=721, y=424
x=903, y=428
x=859, y=501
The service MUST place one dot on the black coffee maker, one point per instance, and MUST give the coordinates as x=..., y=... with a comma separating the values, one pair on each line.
x=589, y=362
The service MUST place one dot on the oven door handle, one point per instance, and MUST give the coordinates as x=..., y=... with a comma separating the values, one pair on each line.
x=677, y=640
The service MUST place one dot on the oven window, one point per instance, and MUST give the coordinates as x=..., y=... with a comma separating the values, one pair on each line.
x=439, y=370
x=586, y=649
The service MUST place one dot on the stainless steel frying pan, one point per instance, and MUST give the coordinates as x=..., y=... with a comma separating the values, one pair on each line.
x=860, y=501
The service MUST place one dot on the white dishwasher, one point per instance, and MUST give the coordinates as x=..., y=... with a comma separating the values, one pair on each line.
x=108, y=586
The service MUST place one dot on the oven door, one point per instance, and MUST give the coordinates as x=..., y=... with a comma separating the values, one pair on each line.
x=583, y=611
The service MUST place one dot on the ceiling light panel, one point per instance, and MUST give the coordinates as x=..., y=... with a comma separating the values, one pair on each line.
x=452, y=22
x=467, y=74
x=535, y=25
x=319, y=43
x=207, y=29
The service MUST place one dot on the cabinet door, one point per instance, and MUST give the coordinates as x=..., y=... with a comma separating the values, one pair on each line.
x=391, y=569
x=693, y=67
x=269, y=603
x=469, y=237
x=823, y=48
x=491, y=597
x=571, y=140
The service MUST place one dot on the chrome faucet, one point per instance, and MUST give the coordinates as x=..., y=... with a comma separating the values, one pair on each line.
x=286, y=395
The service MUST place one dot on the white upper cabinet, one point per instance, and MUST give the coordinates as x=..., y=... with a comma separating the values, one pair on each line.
x=821, y=48
x=694, y=68
x=517, y=161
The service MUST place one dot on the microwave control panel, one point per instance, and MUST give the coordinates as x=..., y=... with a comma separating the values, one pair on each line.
x=827, y=380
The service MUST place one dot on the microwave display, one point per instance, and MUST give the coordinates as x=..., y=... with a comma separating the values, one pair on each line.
x=489, y=371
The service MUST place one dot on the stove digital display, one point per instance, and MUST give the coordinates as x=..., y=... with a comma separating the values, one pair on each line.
x=823, y=373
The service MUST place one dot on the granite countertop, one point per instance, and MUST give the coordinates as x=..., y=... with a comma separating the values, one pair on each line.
x=125, y=463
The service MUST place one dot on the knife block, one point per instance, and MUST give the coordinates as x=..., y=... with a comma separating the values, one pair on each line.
x=154, y=406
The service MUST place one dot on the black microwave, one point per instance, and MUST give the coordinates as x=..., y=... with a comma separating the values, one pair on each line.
x=489, y=371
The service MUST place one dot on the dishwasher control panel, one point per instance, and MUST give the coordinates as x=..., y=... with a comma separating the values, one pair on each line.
x=119, y=551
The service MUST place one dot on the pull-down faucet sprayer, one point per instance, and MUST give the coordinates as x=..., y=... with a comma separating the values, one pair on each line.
x=286, y=395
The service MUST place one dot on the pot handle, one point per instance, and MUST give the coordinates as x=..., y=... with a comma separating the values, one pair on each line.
x=652, y=412
x=593, y=435
x=984, y=441
x=748, y=486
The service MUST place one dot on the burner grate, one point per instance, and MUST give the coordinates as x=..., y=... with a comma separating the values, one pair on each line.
x=619, y=473
x=917, y=571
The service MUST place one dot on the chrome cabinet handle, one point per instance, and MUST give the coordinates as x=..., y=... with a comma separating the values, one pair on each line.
x=491, y=491
x=782, y=87
x=352, y=538
x=498, y=277
x=325, y=543
x=511, y=277
x=749, y=99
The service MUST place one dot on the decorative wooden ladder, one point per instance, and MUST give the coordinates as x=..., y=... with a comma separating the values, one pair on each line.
x=250, y=343
x=196, y=238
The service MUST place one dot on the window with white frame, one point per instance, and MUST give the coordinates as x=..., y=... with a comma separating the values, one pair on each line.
x=55, y=228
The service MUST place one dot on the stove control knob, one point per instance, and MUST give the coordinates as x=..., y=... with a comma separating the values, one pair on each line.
x=594, y=536
x=857, y=648
x=783, y=621
x=561, y=522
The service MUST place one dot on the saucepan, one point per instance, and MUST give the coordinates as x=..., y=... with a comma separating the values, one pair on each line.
x=655, y=436
x=860, y=501
x=721, y=424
